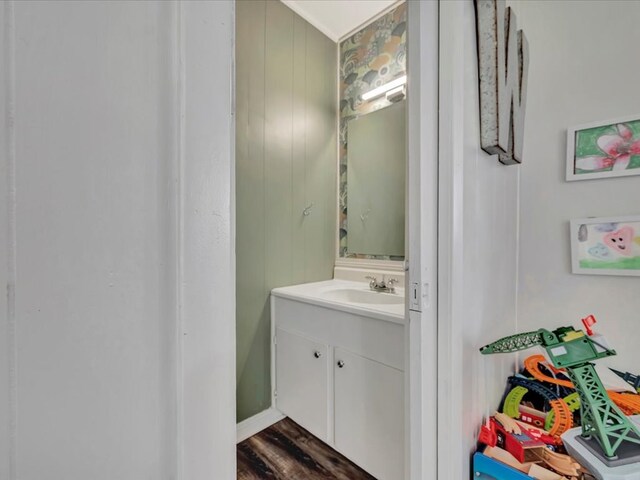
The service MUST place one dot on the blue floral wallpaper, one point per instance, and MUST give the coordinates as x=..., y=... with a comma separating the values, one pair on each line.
x=369, y=58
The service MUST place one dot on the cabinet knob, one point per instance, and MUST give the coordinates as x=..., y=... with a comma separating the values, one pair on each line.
x=340, y=364
x=317, y=354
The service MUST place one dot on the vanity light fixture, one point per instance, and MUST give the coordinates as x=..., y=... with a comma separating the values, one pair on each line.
x=381, y=90
x=396, y=94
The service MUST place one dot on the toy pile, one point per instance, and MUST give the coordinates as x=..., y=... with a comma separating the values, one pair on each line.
x=541, y=403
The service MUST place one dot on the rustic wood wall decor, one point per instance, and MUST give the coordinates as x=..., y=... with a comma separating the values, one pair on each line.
x=503, y=61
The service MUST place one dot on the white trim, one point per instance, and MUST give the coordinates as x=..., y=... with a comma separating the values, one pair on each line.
x=368, y=22
x=295, y=6
x=272, y=346
x=179, y=189
x=252, y=425
x=421, y=334
x=338, y=120
x=8, y=242
x=451, y=67
x=326, y=29
x=207, y=248
x=571, y=134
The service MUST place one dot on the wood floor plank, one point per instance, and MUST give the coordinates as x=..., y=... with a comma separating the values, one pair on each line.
x=250, y=465
x=286, y=451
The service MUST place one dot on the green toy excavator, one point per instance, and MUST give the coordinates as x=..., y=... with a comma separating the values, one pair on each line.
x=574, y=351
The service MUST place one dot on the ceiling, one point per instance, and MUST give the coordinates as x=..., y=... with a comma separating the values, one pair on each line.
x=337, y=18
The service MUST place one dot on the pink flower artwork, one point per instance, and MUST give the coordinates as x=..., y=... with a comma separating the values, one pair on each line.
x=621, y=240
x=617, y=151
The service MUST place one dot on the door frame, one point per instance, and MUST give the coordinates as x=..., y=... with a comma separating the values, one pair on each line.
x=421, y=334
x=205, y=280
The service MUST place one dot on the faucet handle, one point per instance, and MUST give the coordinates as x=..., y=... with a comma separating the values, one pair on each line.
x=392, y=281
x=373, y=281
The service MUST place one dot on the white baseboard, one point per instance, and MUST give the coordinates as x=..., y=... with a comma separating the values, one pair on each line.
x=252, y=425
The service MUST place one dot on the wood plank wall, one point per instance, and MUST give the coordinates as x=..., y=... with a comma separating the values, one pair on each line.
x=286, y=157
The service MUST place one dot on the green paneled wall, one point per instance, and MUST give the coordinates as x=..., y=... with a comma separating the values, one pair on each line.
x=286, y=156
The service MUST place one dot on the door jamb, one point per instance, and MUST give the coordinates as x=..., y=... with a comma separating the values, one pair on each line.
x=421, y=333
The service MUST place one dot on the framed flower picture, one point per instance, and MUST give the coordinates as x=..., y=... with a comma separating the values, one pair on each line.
x=604, y=149
x=606, y=246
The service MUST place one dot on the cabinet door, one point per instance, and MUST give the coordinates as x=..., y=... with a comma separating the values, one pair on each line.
x=369, y=414
x=301, y=381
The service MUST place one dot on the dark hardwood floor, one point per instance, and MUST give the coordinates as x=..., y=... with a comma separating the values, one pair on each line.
x=286, y=451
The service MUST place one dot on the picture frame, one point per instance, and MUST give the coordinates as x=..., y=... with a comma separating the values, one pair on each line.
x=605, y=149
x=606, y=245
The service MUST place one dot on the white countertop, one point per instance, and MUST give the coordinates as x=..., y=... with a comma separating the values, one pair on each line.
x=343, y=295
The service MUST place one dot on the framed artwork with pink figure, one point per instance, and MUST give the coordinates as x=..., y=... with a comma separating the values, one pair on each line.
x=606, y=246
x=604, y=149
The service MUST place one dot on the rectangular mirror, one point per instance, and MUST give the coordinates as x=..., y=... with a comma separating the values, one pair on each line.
x=376, y=182
x=372, y=152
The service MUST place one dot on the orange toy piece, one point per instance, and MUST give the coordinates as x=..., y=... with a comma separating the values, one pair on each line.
x=532, y=364
x=564, y=418
x=629, y=404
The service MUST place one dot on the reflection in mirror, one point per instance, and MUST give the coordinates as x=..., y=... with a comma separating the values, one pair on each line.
x=373, y=73
x=376, y=166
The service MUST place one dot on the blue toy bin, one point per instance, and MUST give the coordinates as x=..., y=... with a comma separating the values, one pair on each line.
x=486, y=468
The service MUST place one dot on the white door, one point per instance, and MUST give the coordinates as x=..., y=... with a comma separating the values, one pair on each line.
x=301, y=381
x=369, y=414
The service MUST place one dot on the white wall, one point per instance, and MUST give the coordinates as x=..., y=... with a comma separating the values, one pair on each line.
x=582, y=69
x=6, y=252
x=118, y=222
x=478, y=244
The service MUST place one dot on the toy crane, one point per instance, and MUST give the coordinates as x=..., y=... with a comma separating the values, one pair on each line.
x=574, y=351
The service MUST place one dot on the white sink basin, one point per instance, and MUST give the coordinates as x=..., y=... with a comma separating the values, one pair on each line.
x=347, y=296
x=352, y=295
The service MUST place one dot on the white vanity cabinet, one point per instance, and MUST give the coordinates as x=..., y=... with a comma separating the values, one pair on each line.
x=302, y=372
x=340, y=375
x=369, y=414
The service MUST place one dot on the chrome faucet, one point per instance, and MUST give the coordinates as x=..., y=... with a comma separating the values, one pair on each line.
x=385, y=286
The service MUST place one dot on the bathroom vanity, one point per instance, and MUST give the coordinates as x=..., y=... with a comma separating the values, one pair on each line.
x=338, y=369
